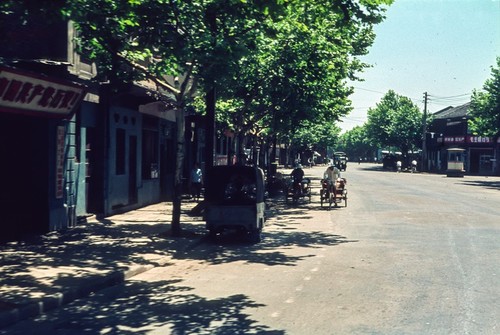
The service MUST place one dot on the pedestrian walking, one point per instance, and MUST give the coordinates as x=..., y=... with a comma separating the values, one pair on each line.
x=413, y=166
x=196, y=182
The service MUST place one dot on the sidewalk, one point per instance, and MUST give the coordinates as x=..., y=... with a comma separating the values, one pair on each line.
x=59, y=267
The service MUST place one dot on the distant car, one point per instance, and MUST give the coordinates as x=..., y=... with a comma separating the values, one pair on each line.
x=340, y=160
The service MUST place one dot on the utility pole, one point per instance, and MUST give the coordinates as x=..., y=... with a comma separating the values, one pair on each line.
x=424, y=135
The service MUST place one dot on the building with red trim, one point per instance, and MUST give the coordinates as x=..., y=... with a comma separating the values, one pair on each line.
x=449, y=129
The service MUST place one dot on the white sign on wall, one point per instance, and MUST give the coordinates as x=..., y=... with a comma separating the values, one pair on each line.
x=22, y=92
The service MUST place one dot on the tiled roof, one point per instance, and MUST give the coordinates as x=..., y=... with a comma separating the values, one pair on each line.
x=452, y=112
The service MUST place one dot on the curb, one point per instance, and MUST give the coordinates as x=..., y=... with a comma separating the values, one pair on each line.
x=52, y=302
x=10, y=317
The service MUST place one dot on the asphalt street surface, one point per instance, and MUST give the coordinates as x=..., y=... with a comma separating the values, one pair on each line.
x=410, y=254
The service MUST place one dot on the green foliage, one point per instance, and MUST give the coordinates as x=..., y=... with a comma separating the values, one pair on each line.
x=356, y=143
x=298, y=69
x=485, y=106
x=279, y=66
x=154, y=38
x=395, y=122
x=276, y=64
x=311, y=135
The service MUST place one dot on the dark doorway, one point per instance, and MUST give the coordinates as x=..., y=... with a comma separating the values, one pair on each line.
x=24, y=173
x=93, y=180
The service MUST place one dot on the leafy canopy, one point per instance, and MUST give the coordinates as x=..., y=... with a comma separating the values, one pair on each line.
x=356, y=143
x=395, y=122
x=295, y=76
x=485, y=106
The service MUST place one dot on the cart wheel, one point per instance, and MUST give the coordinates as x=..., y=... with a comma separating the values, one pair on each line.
x=321, y=197
x=345, y=201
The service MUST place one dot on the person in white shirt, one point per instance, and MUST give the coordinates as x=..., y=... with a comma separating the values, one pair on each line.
x=413, y=166
x=332, y=173
x=398, y=166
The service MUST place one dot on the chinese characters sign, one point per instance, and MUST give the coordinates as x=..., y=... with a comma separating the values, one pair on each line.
x=467, y=139
x=479, y=139
x=28, y=93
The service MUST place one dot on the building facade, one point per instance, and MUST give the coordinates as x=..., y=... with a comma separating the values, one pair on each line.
x=449, y=130
x=70, y=147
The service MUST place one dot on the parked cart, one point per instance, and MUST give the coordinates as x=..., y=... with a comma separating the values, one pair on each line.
x=234, y=198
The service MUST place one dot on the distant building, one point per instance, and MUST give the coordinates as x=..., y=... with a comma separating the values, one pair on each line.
x=449, y=129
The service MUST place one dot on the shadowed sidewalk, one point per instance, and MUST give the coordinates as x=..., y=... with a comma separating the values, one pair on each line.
x=51, y=270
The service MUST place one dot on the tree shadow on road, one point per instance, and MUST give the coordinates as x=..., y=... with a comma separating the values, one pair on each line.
x=139, y=307
x=62, y=261
x=284, y=234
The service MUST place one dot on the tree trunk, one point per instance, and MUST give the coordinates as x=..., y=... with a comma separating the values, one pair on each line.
x=255, y=159
x=176, y=206
x=210, y=99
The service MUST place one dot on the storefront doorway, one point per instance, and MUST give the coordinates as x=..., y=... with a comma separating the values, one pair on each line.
x=25, y=173
x=481, y=161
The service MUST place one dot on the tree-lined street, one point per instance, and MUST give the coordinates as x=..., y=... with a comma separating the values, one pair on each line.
x=411, y=254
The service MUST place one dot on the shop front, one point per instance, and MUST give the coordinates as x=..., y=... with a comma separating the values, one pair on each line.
x=37, y=153
x=479, y=154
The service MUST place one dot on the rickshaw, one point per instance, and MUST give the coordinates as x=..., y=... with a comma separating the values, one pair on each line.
x=234, y=200
x=294, y=191
x=327, y=197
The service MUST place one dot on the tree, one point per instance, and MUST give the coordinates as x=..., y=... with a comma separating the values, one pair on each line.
x=485, y=106
x=149, y=39
x=282, y=61
x=395, y=122
x=356, y=143
x=298, y=72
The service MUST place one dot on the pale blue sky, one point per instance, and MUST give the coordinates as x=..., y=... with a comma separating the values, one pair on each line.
x=443, y=47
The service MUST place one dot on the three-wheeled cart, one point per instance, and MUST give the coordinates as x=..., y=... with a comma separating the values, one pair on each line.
x=234, y=198
x=328, y=198
x=325, y=195
x=294, y=191
x=340, y=192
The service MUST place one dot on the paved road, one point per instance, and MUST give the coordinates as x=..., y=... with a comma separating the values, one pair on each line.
x=411, y=254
